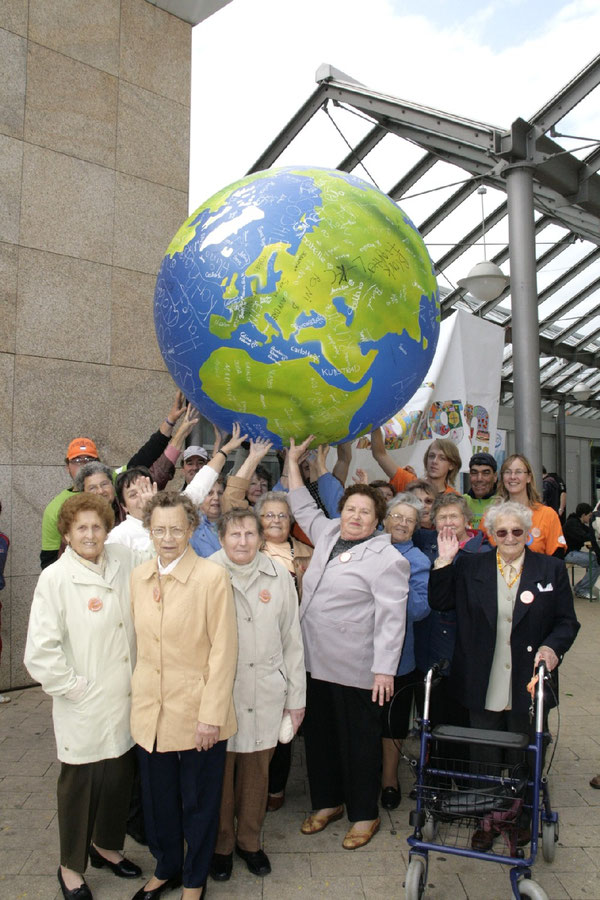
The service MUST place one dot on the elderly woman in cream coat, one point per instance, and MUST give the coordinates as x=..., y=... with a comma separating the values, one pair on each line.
x=81, y=648
x=270, y=682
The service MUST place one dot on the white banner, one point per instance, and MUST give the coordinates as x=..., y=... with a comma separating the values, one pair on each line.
x=458, y=400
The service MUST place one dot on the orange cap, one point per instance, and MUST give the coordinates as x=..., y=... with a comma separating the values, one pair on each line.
x=81, y=447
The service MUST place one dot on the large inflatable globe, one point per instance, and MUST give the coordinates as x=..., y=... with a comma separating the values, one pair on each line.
x=297, y=301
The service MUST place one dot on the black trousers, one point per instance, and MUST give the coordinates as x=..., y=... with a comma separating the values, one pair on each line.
x=395, y=713
x=93, y=802
x=342, y=734
x=279, y=768
x=181, y=793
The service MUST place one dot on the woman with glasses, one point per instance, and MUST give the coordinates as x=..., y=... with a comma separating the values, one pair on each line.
x=182, y=695
x=353, y=616
x=273, y=510
x=514, y=607
x=517, y=483
x=403, y=517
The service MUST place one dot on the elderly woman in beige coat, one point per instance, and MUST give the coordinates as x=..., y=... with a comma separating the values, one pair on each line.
x=182, y=706
x=270, y=682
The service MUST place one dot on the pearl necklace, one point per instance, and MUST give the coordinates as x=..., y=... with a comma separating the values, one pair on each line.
x=501, y=570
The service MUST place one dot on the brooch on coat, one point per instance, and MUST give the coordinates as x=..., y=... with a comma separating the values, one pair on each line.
x=95, y=604
x=264, y=596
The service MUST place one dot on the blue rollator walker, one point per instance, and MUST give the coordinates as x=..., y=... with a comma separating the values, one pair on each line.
x=456, y=797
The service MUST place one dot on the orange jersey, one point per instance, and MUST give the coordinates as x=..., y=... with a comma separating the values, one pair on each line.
x=402, y=478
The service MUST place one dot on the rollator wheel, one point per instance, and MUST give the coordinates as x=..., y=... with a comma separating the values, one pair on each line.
x=414, y=883
x=549, y=839
x=529, y=888
x=430, y=828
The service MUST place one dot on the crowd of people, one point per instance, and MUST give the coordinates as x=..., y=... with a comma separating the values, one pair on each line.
x=186, y=635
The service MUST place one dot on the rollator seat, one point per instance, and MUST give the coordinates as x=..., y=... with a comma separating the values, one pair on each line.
x=510, y=740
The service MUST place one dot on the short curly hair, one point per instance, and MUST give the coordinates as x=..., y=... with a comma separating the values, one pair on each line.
x=79, y=503
x=236, y=515
x=168, y=500
x=367, y=491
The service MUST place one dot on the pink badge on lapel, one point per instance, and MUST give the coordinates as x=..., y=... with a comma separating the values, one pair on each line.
x=95, y=604
x=156, y=595
x=264, y=596
x=526, y=597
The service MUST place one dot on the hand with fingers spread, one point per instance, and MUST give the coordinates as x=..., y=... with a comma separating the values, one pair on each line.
x=187, y=424
x=259, y=449
x=295, y=456
x=448, y=545
x=360, y=477
x=146, y=490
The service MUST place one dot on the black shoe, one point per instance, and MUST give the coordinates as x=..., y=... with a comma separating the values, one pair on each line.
x=391, y=797
x=124, y=869
x=221, y=866
x=81, y=893
x=169, y=885
x=257, y=861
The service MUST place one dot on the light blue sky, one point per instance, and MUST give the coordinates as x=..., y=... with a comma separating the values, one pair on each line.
x=501, y=23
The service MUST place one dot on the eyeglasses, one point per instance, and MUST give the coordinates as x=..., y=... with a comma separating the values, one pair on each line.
x=96, y=488
x=175, y=532
x=80, y=460
x=516, y=472
x=398, y=517
x=503, y=532
x=271, y=516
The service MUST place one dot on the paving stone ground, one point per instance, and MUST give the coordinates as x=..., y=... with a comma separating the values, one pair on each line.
x=317, y=866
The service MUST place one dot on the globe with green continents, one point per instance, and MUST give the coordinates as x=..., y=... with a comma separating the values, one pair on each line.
x=298, y=300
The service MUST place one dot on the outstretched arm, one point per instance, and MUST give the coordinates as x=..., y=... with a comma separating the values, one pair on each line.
x=344, y=458
x=380, y=454
x=234, y=496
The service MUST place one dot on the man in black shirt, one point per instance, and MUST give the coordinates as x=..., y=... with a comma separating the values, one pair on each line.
x=580, y=540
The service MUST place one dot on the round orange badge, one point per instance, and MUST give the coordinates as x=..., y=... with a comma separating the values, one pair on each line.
x=95, y=604
x=264, y=596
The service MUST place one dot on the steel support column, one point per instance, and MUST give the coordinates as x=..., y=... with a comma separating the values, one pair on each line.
x=525, y=334
x=561, y=441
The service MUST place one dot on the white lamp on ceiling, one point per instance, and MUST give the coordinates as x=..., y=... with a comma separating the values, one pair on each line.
x=486, y=280
x=581, y=392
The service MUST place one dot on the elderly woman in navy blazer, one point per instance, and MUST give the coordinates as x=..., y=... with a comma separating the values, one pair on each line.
x=514, y=608
x=353, y=619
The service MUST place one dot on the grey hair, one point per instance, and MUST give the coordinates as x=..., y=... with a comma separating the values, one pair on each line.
x=273, y=497
x=91, y=468
x=507, y=508
x=409, y=500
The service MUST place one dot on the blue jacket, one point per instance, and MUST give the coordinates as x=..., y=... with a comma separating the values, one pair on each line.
x=418, y=605
x=205, y=540
x=435, y=636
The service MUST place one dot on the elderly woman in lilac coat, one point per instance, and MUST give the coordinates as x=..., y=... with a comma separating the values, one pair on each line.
x=353, y=616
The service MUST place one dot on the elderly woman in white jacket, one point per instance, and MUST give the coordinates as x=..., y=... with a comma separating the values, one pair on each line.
x=81, y=648
x=270, y=684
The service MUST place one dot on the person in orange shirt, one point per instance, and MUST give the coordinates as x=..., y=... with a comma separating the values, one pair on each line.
x=442, y=464
x=517, y=483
